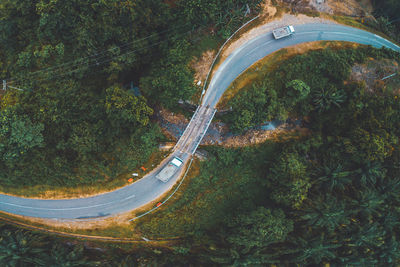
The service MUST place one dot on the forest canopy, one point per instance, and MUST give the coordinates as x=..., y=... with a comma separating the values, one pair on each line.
x=328, y=197
x=76, y=122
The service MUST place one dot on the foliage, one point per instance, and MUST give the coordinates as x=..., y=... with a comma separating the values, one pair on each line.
x=330, y=197
x=259, y=228
x=75, y=123
x=250, y=105
x=20, y=248
x=171, y=79
x=301, y=89
x=387, y=18
x=298, y=86
x=123, y=108
x=18, y=135
x=24, y=248
x=231, y=179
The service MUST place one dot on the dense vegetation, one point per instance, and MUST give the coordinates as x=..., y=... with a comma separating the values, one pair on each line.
x=387, y=8
x=75, y=123
x=20, y=248
x=304, y=85
x=329, y=197
x=387, y=14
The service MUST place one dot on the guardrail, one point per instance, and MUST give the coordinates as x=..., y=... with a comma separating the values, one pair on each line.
x=219, y=52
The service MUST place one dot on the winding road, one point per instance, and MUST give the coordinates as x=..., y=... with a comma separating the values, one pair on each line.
x=149, y=188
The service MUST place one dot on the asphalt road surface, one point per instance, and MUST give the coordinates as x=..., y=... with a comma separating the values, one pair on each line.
x=149, y=188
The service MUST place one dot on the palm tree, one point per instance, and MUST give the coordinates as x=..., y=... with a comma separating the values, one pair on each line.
x=358, y=260
x=361, y=245
x=324, y=99
x=334, y=177
x=61, y=256
x=390, y=220
x=370, y=173
x=371, y=202
x=390, y=252
x=128, y=261
x=21, y=248
x=368, y=235
x=390, y=188
x=328, y=213
x=316, y=251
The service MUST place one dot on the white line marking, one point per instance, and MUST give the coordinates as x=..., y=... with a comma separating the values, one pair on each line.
x=258, y=47
x=78, y=208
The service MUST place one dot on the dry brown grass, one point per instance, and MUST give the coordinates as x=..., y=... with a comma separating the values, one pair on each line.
x=371, y=73
x=202, y=65
x=254, y=137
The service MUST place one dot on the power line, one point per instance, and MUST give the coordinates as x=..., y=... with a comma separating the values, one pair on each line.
x=79, y=61
x=99, y=63
x=67, y=65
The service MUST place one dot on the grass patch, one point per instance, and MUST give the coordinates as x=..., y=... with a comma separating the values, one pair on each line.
x=205, y=42
x=350, y=21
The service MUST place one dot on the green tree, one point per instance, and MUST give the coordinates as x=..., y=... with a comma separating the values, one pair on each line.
x=18, y=135
x=326, y=98
x=126, y=110
x=315, y=251
x=62, y=256
x=21, y=248
x=329, y=213
x=371, y=202
x=291, y=180
x=334, y=178
x=248, y=108
x=300, y=88
x=370, y=173
x=171, y=79
x=372, y=146
x=259, y=229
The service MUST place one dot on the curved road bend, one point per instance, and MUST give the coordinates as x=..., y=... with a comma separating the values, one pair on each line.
x=149, y=188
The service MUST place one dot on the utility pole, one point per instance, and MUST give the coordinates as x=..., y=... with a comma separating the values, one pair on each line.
x=4, y=85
